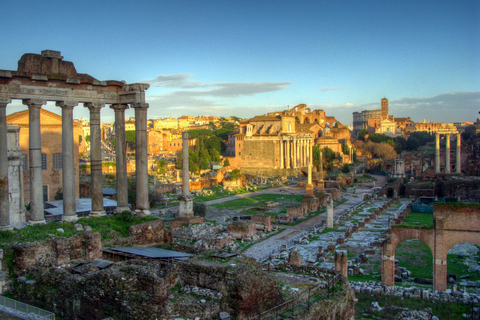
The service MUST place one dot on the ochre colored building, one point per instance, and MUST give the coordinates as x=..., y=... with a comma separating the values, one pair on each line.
x=51, y=133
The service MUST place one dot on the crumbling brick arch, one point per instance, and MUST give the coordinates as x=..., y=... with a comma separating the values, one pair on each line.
x=453, y=223
x=398, y=235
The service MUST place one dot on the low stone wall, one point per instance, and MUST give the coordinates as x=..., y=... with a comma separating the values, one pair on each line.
x=246, y=289
x=321, y=273
x=466, y=189
x=166, y=188
x=297, y=211
x=335, y=193
x=56, y=252
x=241, y=229
x=375, y=288
x=264, y=220
x=150, y=232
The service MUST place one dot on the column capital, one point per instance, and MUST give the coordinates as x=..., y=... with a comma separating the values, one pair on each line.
x=119, y=106
x=5, y=101
x=34, y=102
x=140, y=105
x=66, y=103
x=94, y=106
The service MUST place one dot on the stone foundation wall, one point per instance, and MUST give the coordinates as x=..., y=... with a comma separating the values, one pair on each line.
x=56, y=252
x=150, y=232
x=241, y=229
x=297, y=211
x=465, y=189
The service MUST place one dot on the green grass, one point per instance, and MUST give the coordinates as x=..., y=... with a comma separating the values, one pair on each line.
x=416, y=256
x=419, y=220
x=457, y=267
x=104, y=225
x=442, y=310
x=258, y=200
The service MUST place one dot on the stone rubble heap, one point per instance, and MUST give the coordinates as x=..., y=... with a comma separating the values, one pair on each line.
x=203, y=292
x=198, y=231
x=375, y=288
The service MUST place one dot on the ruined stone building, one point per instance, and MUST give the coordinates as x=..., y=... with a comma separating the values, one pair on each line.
x=15, y=177
x=51, y=139
x=47, y=77
x=281, y=142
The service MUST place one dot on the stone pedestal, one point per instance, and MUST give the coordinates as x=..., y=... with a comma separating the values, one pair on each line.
x=341, y=262
x=309, y=190
x=185, y=206
x=295, y=258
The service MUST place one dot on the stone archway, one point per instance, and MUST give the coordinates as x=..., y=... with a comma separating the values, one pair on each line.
x=453, y=223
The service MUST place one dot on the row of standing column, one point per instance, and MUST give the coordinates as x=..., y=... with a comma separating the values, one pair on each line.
x=295, y=153
x=458, y=157
x=68, y=161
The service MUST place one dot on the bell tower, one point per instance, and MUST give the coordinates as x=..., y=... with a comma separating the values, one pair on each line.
x=384, y=108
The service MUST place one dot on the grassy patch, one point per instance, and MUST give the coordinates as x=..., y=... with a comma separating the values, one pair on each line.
x=456, y=266
x=419, y=220
x=442, y=310
x=104, y=225
x=416, y=256
x=258, y=200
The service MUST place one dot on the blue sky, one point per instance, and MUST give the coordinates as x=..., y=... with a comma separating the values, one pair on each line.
x=246, y=58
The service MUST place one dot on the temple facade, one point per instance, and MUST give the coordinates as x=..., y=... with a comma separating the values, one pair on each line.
x=47, y=77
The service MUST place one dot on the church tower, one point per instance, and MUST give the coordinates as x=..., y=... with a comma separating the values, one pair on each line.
x=384, y=108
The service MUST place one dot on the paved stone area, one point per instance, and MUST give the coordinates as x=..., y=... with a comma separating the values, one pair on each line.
x=274, y=244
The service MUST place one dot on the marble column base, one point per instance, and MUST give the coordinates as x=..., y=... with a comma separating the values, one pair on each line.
x=97, y=213
x=70, y=218
x=143, y=213
x=121, y=209
x=34, y=222
x=3, y=228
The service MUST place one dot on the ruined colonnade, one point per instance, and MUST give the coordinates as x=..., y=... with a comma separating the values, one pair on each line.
x=458, y=158
x=295, y=151
x=46, y=77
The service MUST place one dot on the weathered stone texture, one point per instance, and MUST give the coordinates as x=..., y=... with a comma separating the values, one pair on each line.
x=241, y=229
x=150, y=232
x=56, y=252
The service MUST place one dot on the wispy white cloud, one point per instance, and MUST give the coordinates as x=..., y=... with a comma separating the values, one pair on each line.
x=218, y=89
x=332, y=88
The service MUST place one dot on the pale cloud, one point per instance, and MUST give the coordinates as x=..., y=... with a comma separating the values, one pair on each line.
x=180, y=80
x=218, y=89
x=332, y=88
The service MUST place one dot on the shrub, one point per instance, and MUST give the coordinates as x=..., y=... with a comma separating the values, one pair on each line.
x=199, y=209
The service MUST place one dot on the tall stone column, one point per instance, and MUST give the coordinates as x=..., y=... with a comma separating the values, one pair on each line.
x=68, y=161
x=121, y=157
x=35, y=153
x=437, y=153
x=297, y=153
x=141, y=158
x=447, y=153
x=185, y=164
x=287, y=154
x=294, y=153
x=309, y=171
x=388, y=264
x=458, y=158
x=4, y=198
x=186, y=199
x=96, y=159
x=330, y=212
x=281, y=154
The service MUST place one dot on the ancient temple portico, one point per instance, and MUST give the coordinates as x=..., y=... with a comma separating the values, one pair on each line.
x=45, y=77
x=448, y=131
